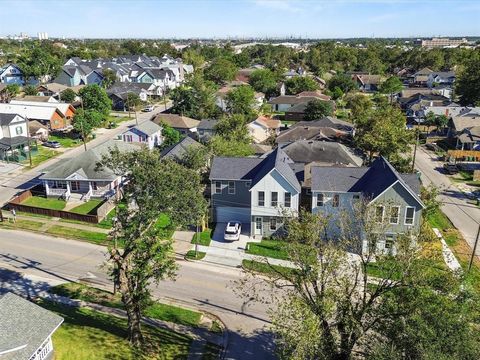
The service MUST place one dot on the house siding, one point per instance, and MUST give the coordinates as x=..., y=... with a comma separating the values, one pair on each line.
x=241, y=198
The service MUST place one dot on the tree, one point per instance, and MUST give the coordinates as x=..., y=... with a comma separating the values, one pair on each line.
x=84, y=121
x=241, y=100
x=441, y=121
x=30, y=90
x=11, y=90
x=468, y=82
x=109, y=78
x=391, y=86
x=264, y=80
x=297, y=84
x=331, y=307
x=95, y=98
x=359, y=105
x=193, y=57
x=196, y=157
x=133, y=101
x=221, y=70
x=233, y=128
x=39, y=63
x=68, y=95
x=195, y=99
x=382, y=132
x=429, y=120
x=153, y=187
x=170, y=135
x=317, y=109
x=344, y=82
x=221, y=146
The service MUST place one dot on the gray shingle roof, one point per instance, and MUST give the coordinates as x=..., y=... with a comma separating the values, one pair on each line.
x=85, y=163
x=6, y=119
x=24, y=324
x=306, y=151
x=178, y=150
x=207, y=124
x=148, y=127
x=339, y=179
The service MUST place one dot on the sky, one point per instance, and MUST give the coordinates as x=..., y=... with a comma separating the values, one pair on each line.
x=241, y=18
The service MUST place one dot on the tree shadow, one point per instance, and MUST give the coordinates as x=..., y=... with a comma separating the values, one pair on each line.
x=12, y=281
x=255, y=346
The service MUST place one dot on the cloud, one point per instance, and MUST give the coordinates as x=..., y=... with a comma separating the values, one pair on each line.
x=280, y=5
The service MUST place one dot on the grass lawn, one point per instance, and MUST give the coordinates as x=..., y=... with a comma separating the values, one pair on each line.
x=118, y=119
x=65, y=140
x=45, y=203
x=86, y=334
x=157, y=310
x=91, y=236
x=22, y=224
x=264, y=268
x=191, y=255
x=43, y=154
x=269, y=248
x=86, y=207
x=204, y=239
x=440, y=221
x=33, y=215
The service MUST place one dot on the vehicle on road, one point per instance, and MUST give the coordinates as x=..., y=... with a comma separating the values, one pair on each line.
x=233, y=230
x=433, y=147
x=148, y=108
x=450, y=169
x=52, y=144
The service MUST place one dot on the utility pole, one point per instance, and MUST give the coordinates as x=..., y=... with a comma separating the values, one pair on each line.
x=415, y=150
x=474, y=250
x=81, y=124
x=29, y=142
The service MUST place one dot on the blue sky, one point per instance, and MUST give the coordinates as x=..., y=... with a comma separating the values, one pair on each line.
x=242, y=18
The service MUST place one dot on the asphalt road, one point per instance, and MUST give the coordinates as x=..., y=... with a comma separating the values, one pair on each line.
x=207, y=287
x=14, y=182
x=465, y=216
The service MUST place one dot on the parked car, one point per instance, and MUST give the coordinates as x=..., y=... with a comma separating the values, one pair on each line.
x=433, y=147
x=451, y=169
x=233, y=230
x=148, y=108
x=52, y=144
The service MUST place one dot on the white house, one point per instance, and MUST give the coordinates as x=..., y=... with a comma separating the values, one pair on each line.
x=262, y=128
x=27, y=329
x=13, y=135
x=11, y=74
x=147, y=133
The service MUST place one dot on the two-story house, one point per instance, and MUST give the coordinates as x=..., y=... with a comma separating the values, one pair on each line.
x=13, y=135
x=259, y=192
x=393, y=199
x=11, y=74
x=147, y=133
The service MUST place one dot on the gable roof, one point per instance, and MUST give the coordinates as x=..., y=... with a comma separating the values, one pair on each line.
x=371, y=181
x=268, y=122
x=85, y=163
x=6, y=119
x=147, y=127
x=178, y=150
x=31, y=112
x=24, y=326
x=35, y=98
x=207, y=124
x=176, y=121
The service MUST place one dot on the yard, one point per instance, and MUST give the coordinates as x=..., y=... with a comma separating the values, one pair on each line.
x=86, y=207
x=117, y=119
x=156, y=310
x=38, y=157
x=86, y=334
x=269, y=248
x=203, y=238
x=45, y=203
x=65, y=140
x=264, y=268
x=80, y=234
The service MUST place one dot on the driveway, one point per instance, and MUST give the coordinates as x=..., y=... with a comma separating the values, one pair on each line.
x=464, y=216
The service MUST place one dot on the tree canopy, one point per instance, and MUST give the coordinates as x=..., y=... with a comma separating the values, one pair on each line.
x=297, y=84
x=264, y=80
x=95, y=98
x=68, y=95
x=241, y=100
x=317, y=109
x=220, y=70
x=343, y=82
x=468, y=83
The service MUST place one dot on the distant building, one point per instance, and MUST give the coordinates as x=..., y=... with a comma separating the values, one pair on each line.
x=441, y=42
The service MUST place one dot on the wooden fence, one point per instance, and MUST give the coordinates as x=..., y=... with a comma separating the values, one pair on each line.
x=465, y=155
x=101, y=211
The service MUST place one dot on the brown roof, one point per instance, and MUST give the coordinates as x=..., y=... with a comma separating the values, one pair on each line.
x=34, y=98
x=369, y=79
x=316, y=93
x=176, y=121
x=269, y=122
x=291, y=99
x=35, y=125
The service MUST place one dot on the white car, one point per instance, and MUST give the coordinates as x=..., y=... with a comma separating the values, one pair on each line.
x=233, y=230
x=149, y=108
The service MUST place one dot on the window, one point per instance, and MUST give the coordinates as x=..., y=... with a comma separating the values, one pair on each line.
x=273, y=223
x=248, y=183
x=389, y=238
x=218, y=187
x=394, y=214
x=261, y=198
x=288, y=200
x=356, y=197
x=336, y=200
x=274, y=201
x=409, y=215
x=19, y=130
x=379, y=214
x=320, y=200
x=94, y=185
x=231, y=187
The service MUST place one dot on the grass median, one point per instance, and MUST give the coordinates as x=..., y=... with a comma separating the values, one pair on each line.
x=80, y=234
x=203, y=238
x=269, y=248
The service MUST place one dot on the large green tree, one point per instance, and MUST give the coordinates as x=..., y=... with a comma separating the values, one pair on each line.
x=297, y=84
x=343, y=82
x=317, y=109
x=195, y=98
x=68, y=95
x=30, y=90
x=264, y=80
x=170, y=135
x=220, y=71
x=142, y=252
x=393, y=85
x=241, y=100
x=94, y=97
x=468, y=83
x=109, y=78
x=39, y=63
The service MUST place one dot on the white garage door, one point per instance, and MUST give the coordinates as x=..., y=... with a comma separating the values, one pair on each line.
x=227, y=213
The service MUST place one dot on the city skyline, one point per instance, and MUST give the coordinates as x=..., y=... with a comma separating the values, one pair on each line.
x=242, y=19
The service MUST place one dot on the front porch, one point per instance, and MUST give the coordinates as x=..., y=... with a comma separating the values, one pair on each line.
x=82, y=190
x=16, y=149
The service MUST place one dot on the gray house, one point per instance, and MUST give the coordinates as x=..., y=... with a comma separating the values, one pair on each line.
x=26, y=329
x=206, y=129
x=256, y=191
x=394, y=198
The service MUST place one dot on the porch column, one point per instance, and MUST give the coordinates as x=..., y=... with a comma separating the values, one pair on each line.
x=46, y=187
x=68, y=186
x=89, y=186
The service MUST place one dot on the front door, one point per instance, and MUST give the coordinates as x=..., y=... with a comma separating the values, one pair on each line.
x=258, y=225
x=75, y=185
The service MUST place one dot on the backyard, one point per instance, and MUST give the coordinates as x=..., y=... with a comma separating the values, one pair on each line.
x=39, y=156
x=45, y=203
x=65, y=140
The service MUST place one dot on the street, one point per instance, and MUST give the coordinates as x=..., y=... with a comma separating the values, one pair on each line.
x=12, y=183
x=465, y=216
x=206, y=287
